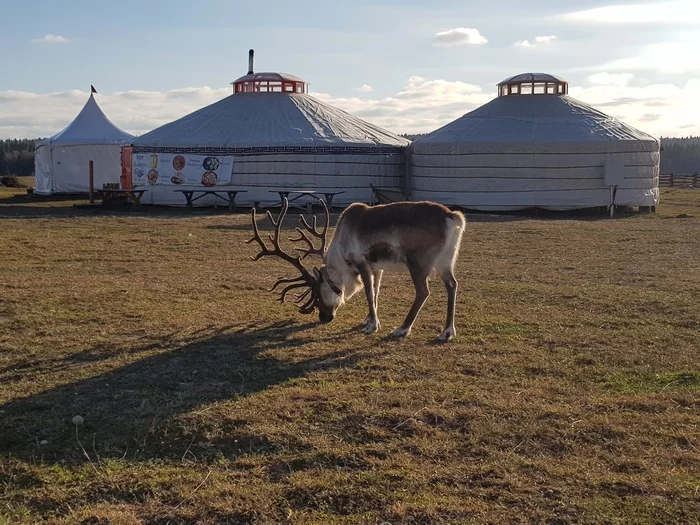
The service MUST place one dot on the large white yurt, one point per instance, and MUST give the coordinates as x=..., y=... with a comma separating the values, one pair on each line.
x=535, y=146
x=61, y=162
x=268, y=135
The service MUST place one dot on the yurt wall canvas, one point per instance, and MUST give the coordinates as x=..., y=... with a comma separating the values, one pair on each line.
x=62, y=162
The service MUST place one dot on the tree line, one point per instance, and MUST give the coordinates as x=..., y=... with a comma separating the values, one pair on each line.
x=678, y=155
x=17, y=157
x=681, y=156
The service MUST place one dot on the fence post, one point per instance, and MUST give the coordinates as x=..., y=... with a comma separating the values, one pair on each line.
x=670, y=179
x=695, y=179
x=92, y=187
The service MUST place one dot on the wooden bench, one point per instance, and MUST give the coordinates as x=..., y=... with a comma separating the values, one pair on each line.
x=327, y=195
x=229, y=198
x=386, y=195
x=108, y=194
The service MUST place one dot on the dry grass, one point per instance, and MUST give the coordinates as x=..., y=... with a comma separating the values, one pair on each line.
x=9, y=191
x=571, y=395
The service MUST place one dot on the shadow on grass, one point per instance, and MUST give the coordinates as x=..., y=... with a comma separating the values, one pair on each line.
x=134, y=409
x=588, y=214
x=28, y=206
x=25, y=207
x=15, y=371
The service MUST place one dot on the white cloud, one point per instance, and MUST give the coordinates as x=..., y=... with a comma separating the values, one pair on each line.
x=422, y=105
x=30, y=115
x=459, y=36
x=610, y=79
x=364, y=88
x=660, y=12
x=659, y=109
x=649, y=117
x=666, y=57
x=544, y=40
x=51, y=39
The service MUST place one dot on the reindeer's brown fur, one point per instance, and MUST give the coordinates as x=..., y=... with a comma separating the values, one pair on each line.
x=418, y=226
x=417, y=236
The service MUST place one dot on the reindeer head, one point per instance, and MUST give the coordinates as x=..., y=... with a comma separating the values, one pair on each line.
x=320, y=292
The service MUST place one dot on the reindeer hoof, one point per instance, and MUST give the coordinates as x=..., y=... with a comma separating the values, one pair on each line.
x=400, y=332
x=447, y=335
x=370, y=327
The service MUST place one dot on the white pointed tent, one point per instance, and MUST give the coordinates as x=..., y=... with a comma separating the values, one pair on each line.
x=61, y=162
x=534, y=146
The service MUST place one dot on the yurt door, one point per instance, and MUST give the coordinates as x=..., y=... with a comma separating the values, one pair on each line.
x=126, y=168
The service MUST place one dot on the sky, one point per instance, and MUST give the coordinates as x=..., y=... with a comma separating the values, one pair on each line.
x=408, y=66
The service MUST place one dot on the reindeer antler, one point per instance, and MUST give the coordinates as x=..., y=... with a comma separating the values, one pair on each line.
x=313, y=230
x=305, y=280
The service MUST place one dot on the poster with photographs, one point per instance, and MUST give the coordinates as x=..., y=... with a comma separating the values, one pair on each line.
x=150, y=169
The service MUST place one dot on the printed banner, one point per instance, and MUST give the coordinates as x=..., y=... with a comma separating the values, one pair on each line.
x=181, y=169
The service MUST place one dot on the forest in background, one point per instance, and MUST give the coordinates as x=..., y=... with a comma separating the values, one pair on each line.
x=678, y=155
x=17, y=157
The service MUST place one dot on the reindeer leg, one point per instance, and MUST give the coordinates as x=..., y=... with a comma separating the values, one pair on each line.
x=377, y=284
x=377, y=274
x=420, y=282
x=451, y=285
x=371, y=324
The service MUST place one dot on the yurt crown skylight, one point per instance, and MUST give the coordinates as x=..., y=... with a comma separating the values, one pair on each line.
x=268, y=82
x=533, y=84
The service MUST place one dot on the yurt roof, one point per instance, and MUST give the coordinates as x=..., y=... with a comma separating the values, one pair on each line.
x=535, y=118
x=90, y=126
x=531, y=77
x=269, y=119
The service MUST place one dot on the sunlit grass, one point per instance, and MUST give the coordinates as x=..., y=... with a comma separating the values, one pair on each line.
x=569, y=396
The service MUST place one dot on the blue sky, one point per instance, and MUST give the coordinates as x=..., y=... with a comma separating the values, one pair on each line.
x=407, y=65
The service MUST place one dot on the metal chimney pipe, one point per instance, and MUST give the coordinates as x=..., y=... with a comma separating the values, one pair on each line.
x=250, y=62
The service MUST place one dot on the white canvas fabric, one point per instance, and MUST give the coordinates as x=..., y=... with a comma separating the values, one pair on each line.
x=545, y=151
x=42, y=169
x=61, y=161
x=282, y=141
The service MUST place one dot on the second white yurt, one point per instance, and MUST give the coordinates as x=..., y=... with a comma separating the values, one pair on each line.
x=61, y=162
x=268, y=135
x=535, y=146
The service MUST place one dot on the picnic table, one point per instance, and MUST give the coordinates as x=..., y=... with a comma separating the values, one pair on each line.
x=384, y=195
x=229, y=198
x=134, y=195
x=328, y=196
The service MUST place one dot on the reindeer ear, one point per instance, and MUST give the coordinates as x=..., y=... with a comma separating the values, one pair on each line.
x=317, y=274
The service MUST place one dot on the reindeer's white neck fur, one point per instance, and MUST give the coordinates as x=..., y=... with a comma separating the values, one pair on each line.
x=343, y=275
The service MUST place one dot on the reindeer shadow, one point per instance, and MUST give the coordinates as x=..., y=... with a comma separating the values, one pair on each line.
x=132, y=408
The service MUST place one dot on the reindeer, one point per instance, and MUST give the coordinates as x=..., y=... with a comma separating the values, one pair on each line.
x=416, y=236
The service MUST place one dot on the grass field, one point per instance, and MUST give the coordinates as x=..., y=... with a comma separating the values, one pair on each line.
x=571, y=394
